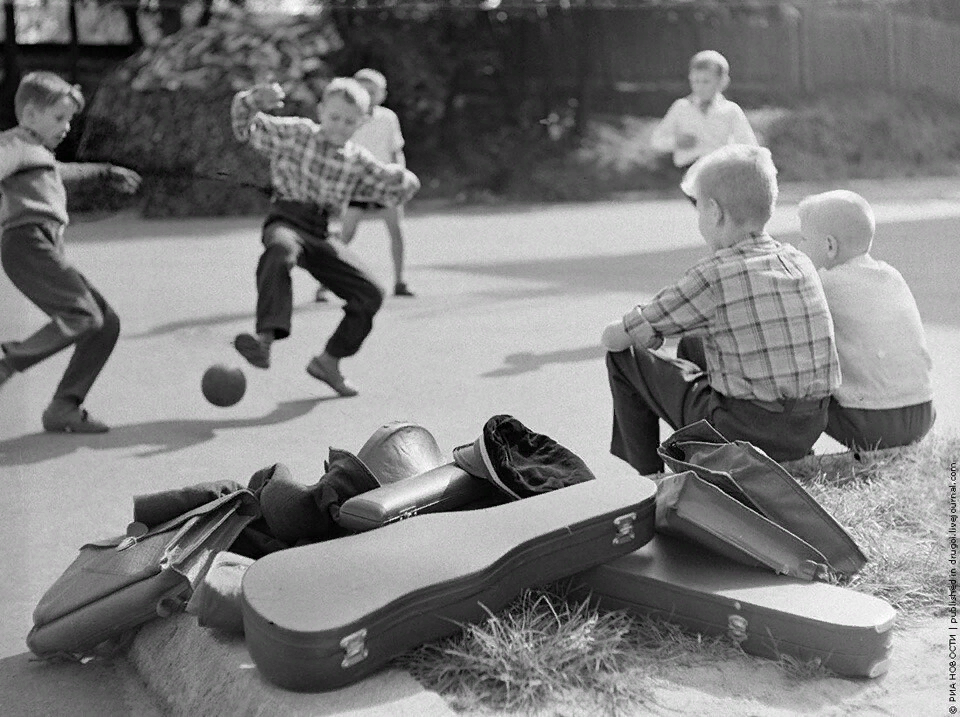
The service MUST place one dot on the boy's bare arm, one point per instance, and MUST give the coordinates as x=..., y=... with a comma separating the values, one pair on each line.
x=617, y=337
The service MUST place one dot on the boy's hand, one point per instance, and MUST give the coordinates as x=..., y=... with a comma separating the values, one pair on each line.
x=615, y=337
x=268, y=96
x=123, y=179
x=686, y=141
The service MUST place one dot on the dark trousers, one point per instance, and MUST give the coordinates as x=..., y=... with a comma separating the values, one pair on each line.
x=291, y=239
x=32, y=256
x=648, y=386
x=867, y=429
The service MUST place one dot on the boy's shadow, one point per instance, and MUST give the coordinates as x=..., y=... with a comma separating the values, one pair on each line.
x=157, y=437
x=526, y=361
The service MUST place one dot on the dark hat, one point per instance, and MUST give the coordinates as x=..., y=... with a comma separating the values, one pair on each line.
x=520, y=462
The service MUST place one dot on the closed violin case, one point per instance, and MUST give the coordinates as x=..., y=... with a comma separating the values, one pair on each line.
x=770, y=615
x=325, y=615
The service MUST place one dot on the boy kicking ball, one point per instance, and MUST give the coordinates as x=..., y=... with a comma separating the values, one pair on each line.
x=314, y=170
x=33, y=216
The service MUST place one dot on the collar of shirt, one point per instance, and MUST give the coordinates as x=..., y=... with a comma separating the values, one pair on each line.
x=860, y=260
x=753, y=241
x=705, y=107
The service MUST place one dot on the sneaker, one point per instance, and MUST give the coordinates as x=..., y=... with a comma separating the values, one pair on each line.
x=401, y=289
x=255, y=351
x=70, y=419
x=336, y=381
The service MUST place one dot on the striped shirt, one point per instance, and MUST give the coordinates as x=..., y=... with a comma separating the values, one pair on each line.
x=306, y=167
x=761, y=311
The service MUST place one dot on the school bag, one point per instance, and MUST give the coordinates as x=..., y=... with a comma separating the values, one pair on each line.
x=734, y=499
x=118, y=584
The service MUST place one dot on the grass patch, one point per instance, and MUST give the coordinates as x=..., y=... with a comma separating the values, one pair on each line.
x=551, y=647
x=894, y=504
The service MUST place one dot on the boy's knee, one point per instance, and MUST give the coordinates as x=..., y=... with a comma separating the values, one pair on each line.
x=83, y=321
x=367, y=299
x=280, y=245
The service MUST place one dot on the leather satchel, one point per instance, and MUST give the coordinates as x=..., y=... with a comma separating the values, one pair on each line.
x=734, y=499
x=118, y=584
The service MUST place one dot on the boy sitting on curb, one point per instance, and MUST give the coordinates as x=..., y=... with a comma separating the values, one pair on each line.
x=758, y=309
x=885, y=398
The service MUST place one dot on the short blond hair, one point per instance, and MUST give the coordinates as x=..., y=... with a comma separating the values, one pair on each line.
x=44, y=89
x=842, y=214
x=374, y=77
x=351, y=90
x=710, y=60
x=742, y=179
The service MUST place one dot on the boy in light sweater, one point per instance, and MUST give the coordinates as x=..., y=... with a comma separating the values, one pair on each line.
x=33, y=216
x=885, y=397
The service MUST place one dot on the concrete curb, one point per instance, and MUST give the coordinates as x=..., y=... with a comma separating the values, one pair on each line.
x=195, y=671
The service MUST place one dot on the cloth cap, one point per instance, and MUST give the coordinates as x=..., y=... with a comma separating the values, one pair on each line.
x=520, y=462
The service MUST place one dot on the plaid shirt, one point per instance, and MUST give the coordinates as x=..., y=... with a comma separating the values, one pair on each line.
x=305, y=167
x=760, y=308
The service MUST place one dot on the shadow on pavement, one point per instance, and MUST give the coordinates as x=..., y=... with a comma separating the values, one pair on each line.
x=218, y=319
x=526, y=361
x=166, y=436
x=923, y=250
x=101, y=688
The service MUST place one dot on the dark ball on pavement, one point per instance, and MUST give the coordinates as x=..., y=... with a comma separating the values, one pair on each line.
x=223, y=385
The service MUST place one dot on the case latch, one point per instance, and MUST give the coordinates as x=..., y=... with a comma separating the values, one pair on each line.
x=354, y=648
x=737, y=628
x=624, y=526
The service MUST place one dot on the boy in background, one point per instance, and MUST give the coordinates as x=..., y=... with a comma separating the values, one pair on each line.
x=314, y=170
x=704, y=120
x=885, y=397
x=757, y=309
x=33, y=217
x=382, y=136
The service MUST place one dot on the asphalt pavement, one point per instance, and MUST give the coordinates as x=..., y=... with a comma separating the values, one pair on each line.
x=509, y=306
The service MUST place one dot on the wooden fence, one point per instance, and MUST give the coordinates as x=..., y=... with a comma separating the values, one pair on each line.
x=635, y=59
x=638, y=57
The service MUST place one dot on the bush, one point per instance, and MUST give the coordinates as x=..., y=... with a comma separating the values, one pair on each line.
x=866, y=135
x=166, y=111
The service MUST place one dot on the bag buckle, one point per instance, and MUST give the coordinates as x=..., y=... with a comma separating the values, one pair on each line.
x=624, y=526
x=354, y=648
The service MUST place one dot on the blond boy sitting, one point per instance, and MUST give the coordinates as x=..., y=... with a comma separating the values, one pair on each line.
x=885, y=397
x=757, y=311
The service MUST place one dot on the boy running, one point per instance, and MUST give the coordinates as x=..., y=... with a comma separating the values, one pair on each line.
x=33, y=216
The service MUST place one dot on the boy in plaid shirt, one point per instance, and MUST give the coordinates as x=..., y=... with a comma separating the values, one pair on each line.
x=314, y=171
x=758, y=357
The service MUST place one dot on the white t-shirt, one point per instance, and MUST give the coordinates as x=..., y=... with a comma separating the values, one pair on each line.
x=723, y=123
x=884, y=362
x=381, y=134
